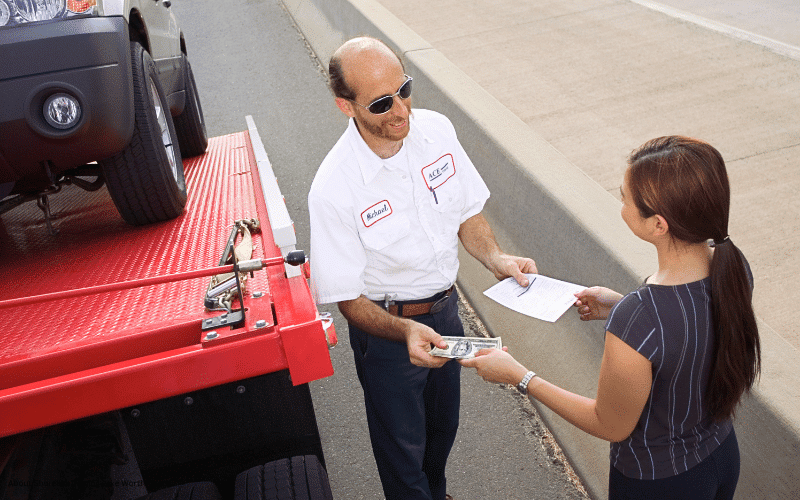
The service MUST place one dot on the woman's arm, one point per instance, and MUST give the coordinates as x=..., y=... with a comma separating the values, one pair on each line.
x=622, y=391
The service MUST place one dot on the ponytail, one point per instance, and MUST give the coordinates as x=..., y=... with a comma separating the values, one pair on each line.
x=736, y=360
x=686, y=182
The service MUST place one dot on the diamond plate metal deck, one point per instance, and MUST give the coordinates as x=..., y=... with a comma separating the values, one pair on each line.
x=69, y=358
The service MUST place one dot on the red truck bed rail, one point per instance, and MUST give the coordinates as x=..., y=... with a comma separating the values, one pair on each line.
x=68, y=358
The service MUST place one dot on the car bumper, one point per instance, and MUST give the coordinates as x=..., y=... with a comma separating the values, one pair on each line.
x=88, y=58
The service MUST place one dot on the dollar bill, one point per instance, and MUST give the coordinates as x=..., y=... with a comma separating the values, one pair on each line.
x=466, y=347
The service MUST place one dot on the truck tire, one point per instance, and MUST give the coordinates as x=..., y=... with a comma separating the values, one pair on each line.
x=191, y=125
x=189, y=491
x=146, y=180
x=296, y=478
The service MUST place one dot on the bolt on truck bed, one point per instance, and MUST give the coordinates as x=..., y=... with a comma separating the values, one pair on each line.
x=185, y=394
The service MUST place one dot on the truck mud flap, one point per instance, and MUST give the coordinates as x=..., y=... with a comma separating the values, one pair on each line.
x=66, y=461
x=191, y=491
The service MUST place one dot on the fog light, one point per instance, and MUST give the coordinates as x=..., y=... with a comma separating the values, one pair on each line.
x=62, y=111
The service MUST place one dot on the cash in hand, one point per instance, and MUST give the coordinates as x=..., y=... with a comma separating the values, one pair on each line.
x=466, y=347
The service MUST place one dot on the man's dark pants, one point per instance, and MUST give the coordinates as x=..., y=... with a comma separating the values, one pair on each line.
x=412, y=412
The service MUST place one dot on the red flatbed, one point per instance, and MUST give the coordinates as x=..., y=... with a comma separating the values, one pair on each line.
x=65, y=359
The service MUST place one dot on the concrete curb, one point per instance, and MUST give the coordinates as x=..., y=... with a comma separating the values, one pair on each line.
x=545, y=207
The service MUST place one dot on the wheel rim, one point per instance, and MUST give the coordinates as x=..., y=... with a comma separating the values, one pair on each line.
x=166, y=137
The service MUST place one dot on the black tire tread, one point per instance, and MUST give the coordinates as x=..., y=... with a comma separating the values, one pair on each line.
x=298, y=478
x=190, y=124
x=141, y=189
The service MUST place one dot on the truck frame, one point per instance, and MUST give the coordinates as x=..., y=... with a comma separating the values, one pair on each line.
x=111, y=357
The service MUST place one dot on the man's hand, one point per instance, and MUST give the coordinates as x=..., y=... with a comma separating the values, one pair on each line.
x=363, y=313
x=504, y=265
x=419, y=339
x=596, y=302
x=478, y=239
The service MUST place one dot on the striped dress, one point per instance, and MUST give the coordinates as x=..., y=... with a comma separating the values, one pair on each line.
x=672, y=327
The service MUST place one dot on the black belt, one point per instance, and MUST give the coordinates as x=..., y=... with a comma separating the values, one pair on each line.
x=408, y=308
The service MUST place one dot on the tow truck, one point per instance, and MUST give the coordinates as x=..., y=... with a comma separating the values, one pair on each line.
x=163, y=361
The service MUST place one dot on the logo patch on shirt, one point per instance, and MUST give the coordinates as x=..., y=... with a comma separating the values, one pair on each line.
x=376, y=212
x=439, y=171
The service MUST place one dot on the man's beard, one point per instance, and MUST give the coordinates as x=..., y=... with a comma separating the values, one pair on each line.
x=383, y=133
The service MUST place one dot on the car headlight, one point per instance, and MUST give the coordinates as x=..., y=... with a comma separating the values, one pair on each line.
x=42, y=10
x=26, y=11
x=5, y=13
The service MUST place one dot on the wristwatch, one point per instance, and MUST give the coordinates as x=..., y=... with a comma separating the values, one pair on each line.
x=523, y=384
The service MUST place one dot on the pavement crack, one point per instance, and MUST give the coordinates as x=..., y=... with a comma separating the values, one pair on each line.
x=762, y=153
x=309, y=49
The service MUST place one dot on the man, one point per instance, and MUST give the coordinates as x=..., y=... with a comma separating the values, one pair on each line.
x=387, y=208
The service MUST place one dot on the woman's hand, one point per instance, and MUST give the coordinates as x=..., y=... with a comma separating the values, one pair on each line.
x=497, y=366
x=596, y=302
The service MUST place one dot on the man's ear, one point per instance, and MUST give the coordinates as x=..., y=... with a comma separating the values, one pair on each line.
x=345, y=106
x=660, y=226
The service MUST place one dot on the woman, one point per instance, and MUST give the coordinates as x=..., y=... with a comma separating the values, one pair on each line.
x=679, y=351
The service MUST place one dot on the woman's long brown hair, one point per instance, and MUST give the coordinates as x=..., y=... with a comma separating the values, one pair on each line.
x=685, y=181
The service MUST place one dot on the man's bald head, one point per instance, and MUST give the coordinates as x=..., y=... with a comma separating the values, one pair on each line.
x=358, y=54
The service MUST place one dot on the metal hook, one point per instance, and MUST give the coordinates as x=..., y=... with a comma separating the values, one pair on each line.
x=44, y=204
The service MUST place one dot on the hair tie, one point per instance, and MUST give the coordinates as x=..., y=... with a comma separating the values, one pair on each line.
x=723, y=240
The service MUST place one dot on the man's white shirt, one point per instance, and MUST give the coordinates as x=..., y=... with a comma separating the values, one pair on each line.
x=391, y=226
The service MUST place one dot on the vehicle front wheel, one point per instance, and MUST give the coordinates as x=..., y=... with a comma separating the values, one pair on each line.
x=146, y=180
x=190, y=125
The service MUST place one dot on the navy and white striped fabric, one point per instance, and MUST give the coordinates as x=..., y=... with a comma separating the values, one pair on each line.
x=672, y=327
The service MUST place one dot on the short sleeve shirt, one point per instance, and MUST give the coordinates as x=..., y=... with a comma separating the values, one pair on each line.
x=672, y=326
x=391, y=226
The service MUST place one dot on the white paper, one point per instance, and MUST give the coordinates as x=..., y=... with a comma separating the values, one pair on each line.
x=544, y=298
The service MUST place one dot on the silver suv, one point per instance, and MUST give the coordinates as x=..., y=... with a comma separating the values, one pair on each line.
x=94, y=92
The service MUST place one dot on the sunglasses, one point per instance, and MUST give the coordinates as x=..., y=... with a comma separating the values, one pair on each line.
x=383, y=104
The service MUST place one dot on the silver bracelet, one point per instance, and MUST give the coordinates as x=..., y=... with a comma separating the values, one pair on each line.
x=523, y=385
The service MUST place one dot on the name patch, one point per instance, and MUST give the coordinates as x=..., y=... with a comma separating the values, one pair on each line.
x=376, y=212
x=438, y=172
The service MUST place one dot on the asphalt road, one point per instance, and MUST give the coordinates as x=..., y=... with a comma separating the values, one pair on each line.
x=249, y=59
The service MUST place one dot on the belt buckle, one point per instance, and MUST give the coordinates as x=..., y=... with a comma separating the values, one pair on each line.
x=439, y=304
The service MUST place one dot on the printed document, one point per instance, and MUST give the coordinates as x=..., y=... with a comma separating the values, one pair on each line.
x=544, y=298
